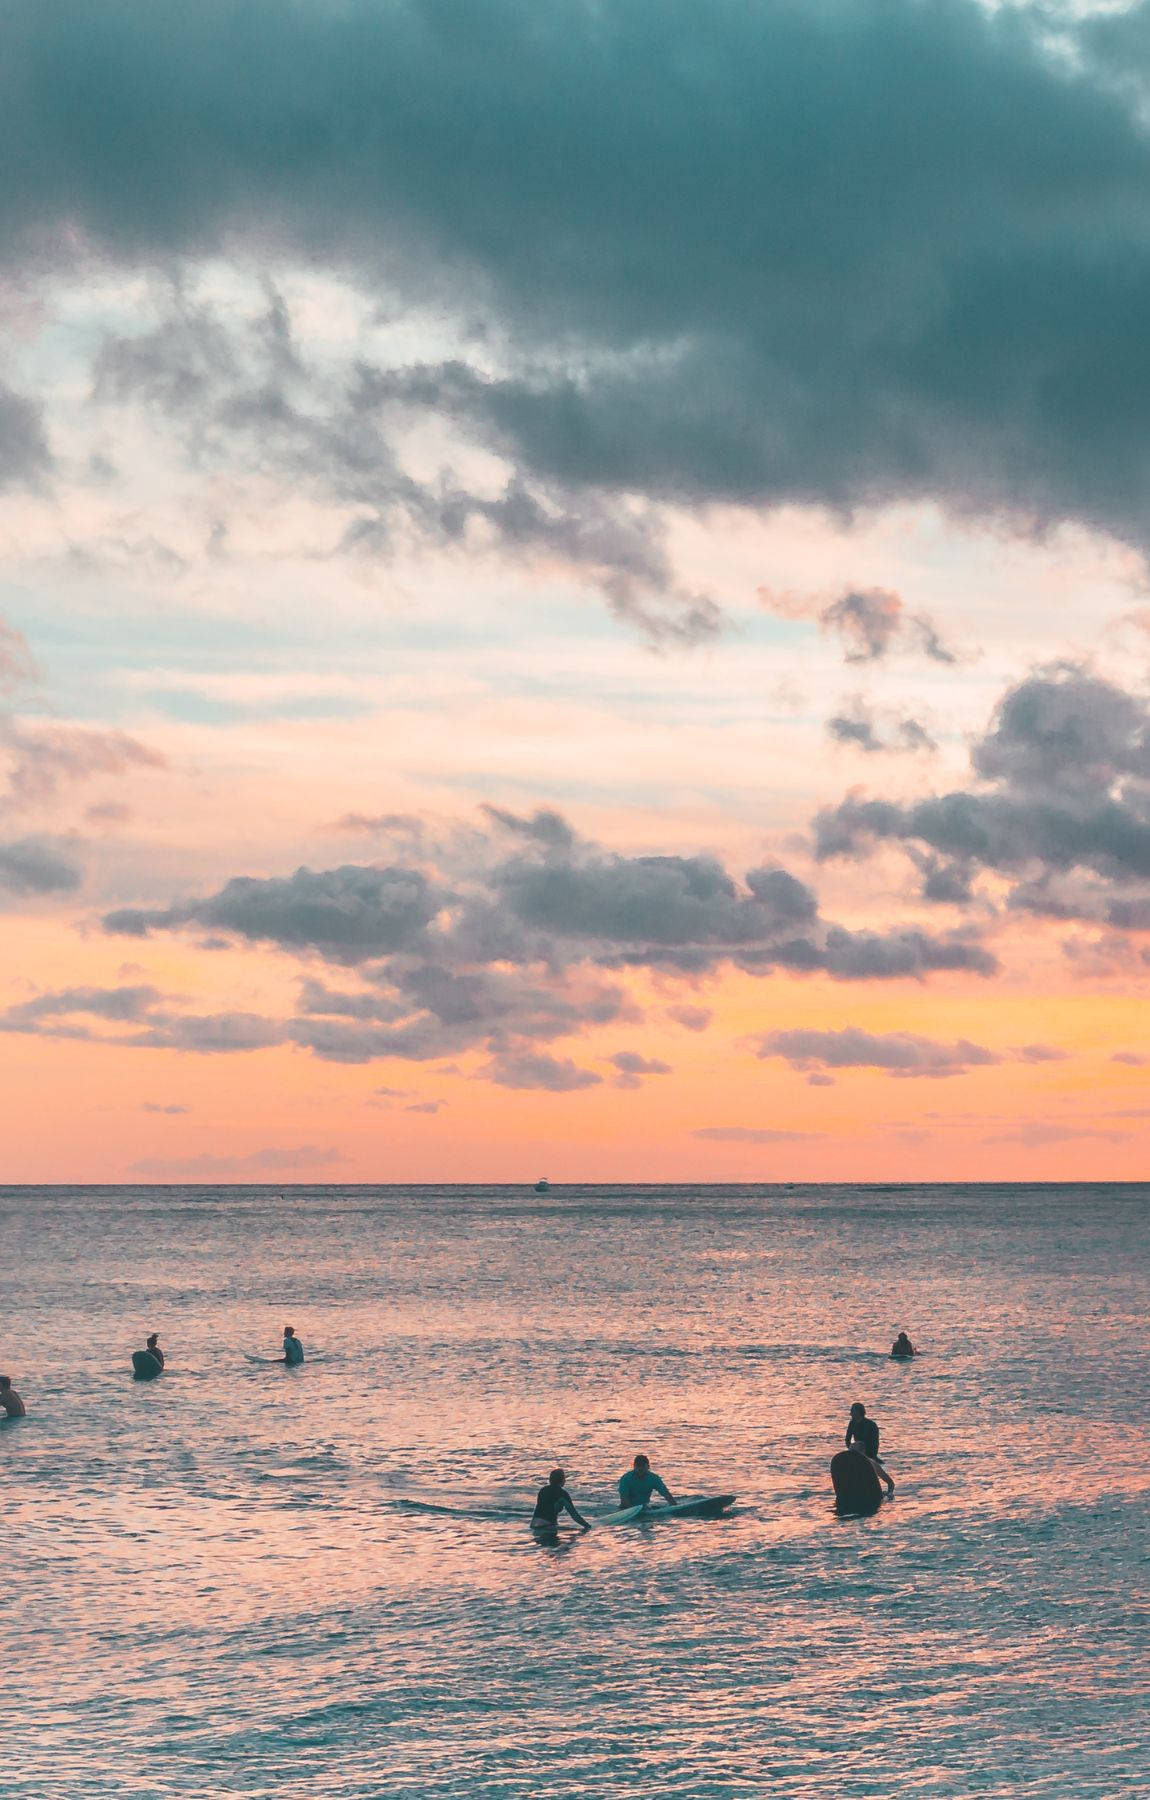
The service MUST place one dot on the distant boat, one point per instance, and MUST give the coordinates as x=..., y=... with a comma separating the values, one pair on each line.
x=542, y=1186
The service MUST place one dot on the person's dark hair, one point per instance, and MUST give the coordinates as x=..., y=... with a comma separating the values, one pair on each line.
x=152, y=1339
x=557, y=1477
x=858, y=1408
x=641, y=1462
x=289, y=1330
x=5, y=1381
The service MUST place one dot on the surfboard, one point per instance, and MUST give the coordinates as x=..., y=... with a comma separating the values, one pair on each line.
x=623, y=1516
x=145, y=1366
x=856, y=1485
x=711, y=1506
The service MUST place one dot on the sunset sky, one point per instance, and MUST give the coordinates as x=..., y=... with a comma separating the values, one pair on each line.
x=574, y=590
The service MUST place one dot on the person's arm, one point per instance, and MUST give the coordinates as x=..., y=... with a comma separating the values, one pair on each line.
x=850, y=1434
x=662, y=1487
x=569, y=1506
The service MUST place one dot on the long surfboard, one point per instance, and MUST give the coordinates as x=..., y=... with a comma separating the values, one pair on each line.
x=855, y=1482
x=145, y=1366
x=711, y=1507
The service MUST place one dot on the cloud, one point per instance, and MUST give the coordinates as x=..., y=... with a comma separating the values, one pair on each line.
x=1040, y=1053
x=873, y=621
x=16, y=664
x=691, y=1018
x=154, y=1106
x=42, y=757
x=901, y=1053
x=631, y=1067
x=751, y=1134
x=1035, y=1134
x=25, y=458
x=724, y=298
x=122, y=1005
x=858, y=726
x=210, y=1034
x=1059, y=806
x=37, y=866
x=555, y=1075
x=426, y=1106
x=207, y=1166
x=347, y=914
x=1131, y=1058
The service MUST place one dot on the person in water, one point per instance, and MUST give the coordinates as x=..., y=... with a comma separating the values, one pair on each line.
x=554, y=1499
x=153, y=1348
x=862, y=1435
x=902, y=1346
x=293, y=1349
x=640, y=1482
x=10, y=1399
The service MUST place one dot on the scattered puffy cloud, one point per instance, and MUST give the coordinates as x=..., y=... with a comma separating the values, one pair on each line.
x=1040, y=1053
x=1132, y=1058
x=558, y=1075
x=41, y=757
x=691, y=1018
x=156, y=1106
x=1059, y=807
x=33, y=865
x=630, y=1068
x=901, y=1053
x=859, y=727
x=872, y=623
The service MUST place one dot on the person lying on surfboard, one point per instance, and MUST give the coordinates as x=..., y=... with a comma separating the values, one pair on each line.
x=640, y=1482
x=862, y=1435
x=554, y=1499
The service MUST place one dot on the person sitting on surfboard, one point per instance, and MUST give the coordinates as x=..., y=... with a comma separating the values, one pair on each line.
x=153, y=1348
x=862, y=1435
x=293, y=1349
x=902, y=1346
x=640, y=1482
x=553, y=1500
x=10, y=1399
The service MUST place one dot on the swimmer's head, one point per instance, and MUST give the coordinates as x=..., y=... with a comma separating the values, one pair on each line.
x=557, y=1478
x=289, y=1330
x=153, y=1340
x=858, y=1410
x=641, y=1463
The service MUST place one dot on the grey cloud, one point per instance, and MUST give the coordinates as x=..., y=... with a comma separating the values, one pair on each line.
x=124, y=1005
x=36, y=866
x=426, y=1106
x=750, y=1134
x=347, y=914
x=1131, y=1058
x=630, y=1068
x=1060, y=806
x=154, y=1106
x=712, y=292
x=858, y=725
x=42, y=757
x=24, y=454
x=554, y=1074
x=691, y=1018
x=873, y=621
x=1040, y=1053
x=544, y=826
x=209, y=1034
x=902, y=1053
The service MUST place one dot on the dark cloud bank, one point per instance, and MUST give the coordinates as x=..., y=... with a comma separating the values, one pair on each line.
x=782, y=252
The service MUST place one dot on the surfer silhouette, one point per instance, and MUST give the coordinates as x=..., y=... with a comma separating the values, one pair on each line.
x=902, y=1348
x=553, y=1500
x=153, y=1348
x=293, y=1349
x=10, y=1399
x=862, y=1435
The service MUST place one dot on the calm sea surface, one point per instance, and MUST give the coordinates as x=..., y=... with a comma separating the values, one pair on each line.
x=241, y=1579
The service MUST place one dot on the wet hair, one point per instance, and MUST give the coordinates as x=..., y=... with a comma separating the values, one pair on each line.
x=641, y=1462
x=859, y=1408
x=557, y=1477
x=289, y=1330
x=152, y=1339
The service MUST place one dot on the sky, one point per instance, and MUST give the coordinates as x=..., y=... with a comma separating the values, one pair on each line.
x=574, y=591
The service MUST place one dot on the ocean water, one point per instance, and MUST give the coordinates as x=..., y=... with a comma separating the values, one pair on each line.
x=245, y=1580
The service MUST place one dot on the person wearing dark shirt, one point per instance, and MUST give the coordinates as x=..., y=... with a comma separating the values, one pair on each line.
x=293, y=1349
x=862, y=1435
x=154, y=1348
x=553, y=1500
x=902, y=1349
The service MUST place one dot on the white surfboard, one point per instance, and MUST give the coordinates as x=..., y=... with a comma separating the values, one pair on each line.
x=623, y=1516
x=710, y=1506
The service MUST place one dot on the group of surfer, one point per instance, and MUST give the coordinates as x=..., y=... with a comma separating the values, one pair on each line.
x=640, y=1482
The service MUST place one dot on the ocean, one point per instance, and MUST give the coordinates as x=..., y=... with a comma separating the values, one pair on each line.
x=246, y=1580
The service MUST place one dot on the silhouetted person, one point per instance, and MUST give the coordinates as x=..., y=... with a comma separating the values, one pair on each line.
x=293, y=1349
x=902, y=1348
x=554, y=1499
x=862, y=1435
x=10, y=1399
x=639, y=1483
x=153, y=1348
